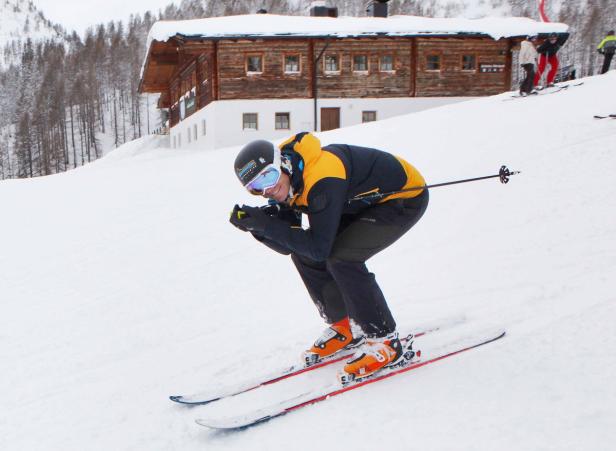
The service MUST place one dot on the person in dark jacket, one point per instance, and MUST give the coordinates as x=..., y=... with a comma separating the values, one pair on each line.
x=607, y=48
x=548, y=55
x=300, y=176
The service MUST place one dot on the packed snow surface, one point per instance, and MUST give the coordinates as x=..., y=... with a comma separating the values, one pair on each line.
x=122, y=282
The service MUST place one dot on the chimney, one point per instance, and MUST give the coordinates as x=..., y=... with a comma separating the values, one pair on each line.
x=377, y=8
x=318, y=9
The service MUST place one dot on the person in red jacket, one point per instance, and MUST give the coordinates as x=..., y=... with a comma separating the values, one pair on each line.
x=548, y=55
x=300, y=176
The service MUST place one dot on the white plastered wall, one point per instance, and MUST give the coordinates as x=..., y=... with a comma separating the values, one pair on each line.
x=224, y=119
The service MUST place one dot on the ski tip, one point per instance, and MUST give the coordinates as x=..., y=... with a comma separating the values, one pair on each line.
x=204, y=423
x=497, y=335
x=218, y=425
x=185, y=401
x=232, y=424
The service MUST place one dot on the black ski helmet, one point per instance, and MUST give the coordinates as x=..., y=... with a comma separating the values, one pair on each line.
x=253, y=158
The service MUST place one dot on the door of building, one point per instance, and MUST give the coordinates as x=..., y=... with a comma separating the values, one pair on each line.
x=330, y=118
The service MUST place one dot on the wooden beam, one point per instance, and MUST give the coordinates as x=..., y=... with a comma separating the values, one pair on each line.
x=508, y=64
x=160, y=59
x=215, y=74
x=154, y=87
x=311, y=66
x=414, y=67
x=154, y=90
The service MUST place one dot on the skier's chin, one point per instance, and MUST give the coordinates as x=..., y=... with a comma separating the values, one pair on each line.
x=277, y=193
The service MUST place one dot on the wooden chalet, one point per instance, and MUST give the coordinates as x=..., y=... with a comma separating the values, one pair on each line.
x=231, y=79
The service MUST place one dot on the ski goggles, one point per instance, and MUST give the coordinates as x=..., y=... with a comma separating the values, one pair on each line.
x=265, y=179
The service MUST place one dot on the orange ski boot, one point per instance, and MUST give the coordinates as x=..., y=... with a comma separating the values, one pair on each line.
x=336, y=337
x=374, y=354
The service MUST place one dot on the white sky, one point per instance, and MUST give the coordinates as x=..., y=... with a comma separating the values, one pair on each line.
x=78, y=15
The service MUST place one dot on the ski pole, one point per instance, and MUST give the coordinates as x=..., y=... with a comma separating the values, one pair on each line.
x=503, y=175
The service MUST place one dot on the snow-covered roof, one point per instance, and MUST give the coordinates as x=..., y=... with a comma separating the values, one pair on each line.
x=271, y=25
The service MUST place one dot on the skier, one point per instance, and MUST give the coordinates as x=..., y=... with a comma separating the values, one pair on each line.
x=528, y=59
x=607, y=48
x=547, y=51
x=300, y=176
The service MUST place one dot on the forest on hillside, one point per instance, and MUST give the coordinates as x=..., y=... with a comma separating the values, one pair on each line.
x=66, y=101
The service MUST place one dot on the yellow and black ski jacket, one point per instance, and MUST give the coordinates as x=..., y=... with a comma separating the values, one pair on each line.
x=324, y=179
x=608, y=45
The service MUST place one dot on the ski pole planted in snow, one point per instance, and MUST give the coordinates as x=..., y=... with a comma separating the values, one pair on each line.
x=503, y=174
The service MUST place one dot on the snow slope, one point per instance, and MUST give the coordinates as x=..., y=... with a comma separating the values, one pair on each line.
x=122, y=283
x=19, y=21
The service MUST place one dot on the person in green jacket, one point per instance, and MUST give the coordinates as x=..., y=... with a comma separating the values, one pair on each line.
x=607, y=48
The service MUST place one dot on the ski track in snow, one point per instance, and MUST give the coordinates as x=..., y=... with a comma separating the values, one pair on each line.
x=122, y=283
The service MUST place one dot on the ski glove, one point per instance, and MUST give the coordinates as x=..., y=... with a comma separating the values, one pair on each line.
x=249, y=219
x=236, y=217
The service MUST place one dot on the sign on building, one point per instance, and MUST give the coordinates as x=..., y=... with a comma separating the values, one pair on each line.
x=491, y=68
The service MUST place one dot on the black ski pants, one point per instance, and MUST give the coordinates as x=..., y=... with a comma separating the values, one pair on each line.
x=607, y=60
x=342, y=285
x=527, y=84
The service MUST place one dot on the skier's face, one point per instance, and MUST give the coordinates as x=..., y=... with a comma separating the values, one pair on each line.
x=280, y=191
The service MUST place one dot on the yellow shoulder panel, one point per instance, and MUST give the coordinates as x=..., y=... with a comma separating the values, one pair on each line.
x=326, y=165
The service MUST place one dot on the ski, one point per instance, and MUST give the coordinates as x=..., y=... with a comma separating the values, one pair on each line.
x=609, y=116
x=545, y=91
x=261, y=415
x=569, y=85
x=218, y=393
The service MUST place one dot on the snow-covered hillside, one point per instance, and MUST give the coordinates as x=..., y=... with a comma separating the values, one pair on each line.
x=122, y=282
x=19, y=21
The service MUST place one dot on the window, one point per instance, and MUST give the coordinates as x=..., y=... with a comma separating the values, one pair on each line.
x=179, y=140
x=188, y=133
x=188, y=83
x=254, y=64
x=433, y=62
x=250, y=121
x=360, y=63
x=174, y=142
x=291, y=64
x=283, y=121
x=195, y=132
x=191, y=103
x=368, y=116
x=203, y=128
x=331, y=63
x=386, y=63
x=469, y=62
x=182, y=109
